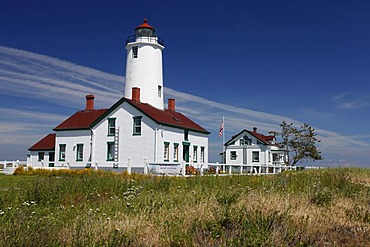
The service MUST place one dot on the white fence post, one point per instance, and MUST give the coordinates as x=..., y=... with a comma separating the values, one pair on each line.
x=183, y=170
x=129, y=165
x=229, y=169
x=146, y=166
x=217, y=168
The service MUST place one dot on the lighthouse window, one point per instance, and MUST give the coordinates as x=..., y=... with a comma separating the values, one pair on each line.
x=135, y=51
x=159, y=91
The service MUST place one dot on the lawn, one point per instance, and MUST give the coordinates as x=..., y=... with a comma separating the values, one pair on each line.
x=328, y=207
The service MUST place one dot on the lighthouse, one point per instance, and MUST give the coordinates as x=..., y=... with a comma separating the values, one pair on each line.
x=144, y=65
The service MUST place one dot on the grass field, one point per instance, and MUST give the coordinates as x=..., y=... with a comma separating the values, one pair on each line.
x=328, y=207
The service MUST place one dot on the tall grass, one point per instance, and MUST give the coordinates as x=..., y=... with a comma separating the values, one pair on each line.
x=87, y=208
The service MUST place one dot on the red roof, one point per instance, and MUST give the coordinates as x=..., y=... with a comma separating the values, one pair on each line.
x=46, y=143
x=265, y=139
x=167, y=117
x=80, y=120
x=144, y=25
x=261, y=137
x=87, y=119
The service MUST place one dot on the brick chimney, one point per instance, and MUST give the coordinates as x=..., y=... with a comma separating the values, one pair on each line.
x=255, y=129
x=89, y=102
x=136, y=94
x=171, y=104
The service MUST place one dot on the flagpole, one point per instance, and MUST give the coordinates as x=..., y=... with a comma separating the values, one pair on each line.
x=223, y=141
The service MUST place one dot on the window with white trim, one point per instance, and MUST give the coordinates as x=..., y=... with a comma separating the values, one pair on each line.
x=110, y=151
x=137, y=125
x=111, y=126
x=195, y=154
x=255, y=156
x=41, y=156
x=202, y=154
x=79, y=152
x=62, y=152
x=175, y=152
x=166, y=151
x=233, y=155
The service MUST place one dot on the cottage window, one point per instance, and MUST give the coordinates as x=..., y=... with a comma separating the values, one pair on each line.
x=51, y=159
x=195, y=154
x=111, y=126
x=269, y=158
x=176, y=152
x=166, y=152
x=79, y=152
x=137, y=126
x=255, y=156
x=202, y=154
x=110, y=151
x=233, y=155
x=41, y=156
x=62, y=152
x=135, y=52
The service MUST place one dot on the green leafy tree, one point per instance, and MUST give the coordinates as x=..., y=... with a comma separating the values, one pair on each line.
x=299, y=143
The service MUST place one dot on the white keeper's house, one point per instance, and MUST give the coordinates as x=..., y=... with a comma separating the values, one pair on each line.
x=135, y=131
x=254, y=149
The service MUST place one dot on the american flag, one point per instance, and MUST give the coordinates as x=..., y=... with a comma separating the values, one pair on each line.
x=221, y=129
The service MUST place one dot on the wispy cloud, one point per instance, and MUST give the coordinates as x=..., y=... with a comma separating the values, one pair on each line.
x=350, y=101
x=36, y=76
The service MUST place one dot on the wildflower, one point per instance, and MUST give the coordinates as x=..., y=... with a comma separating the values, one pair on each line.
x=1, y=212
x=72, y=206
x=108, y=219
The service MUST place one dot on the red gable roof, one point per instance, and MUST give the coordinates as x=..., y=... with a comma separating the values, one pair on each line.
x=88, y=119
x=80, y=120
x=265, y=139
x=46, y=143
x=261, y=137
x=167, y=117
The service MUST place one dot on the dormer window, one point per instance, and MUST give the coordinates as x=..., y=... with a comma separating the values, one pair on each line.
x=245, y=140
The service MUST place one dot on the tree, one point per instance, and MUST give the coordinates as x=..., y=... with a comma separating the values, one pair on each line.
x=299, y=143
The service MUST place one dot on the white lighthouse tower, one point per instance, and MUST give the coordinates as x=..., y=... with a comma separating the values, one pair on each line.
x=144, y=65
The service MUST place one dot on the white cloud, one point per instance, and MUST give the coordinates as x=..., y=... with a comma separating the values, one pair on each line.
x=350, y=101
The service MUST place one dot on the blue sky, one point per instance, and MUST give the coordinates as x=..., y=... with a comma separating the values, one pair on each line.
x=254, y=62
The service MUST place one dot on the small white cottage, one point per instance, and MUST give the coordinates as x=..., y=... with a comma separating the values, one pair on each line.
x=254, y=149
x=136, y=130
